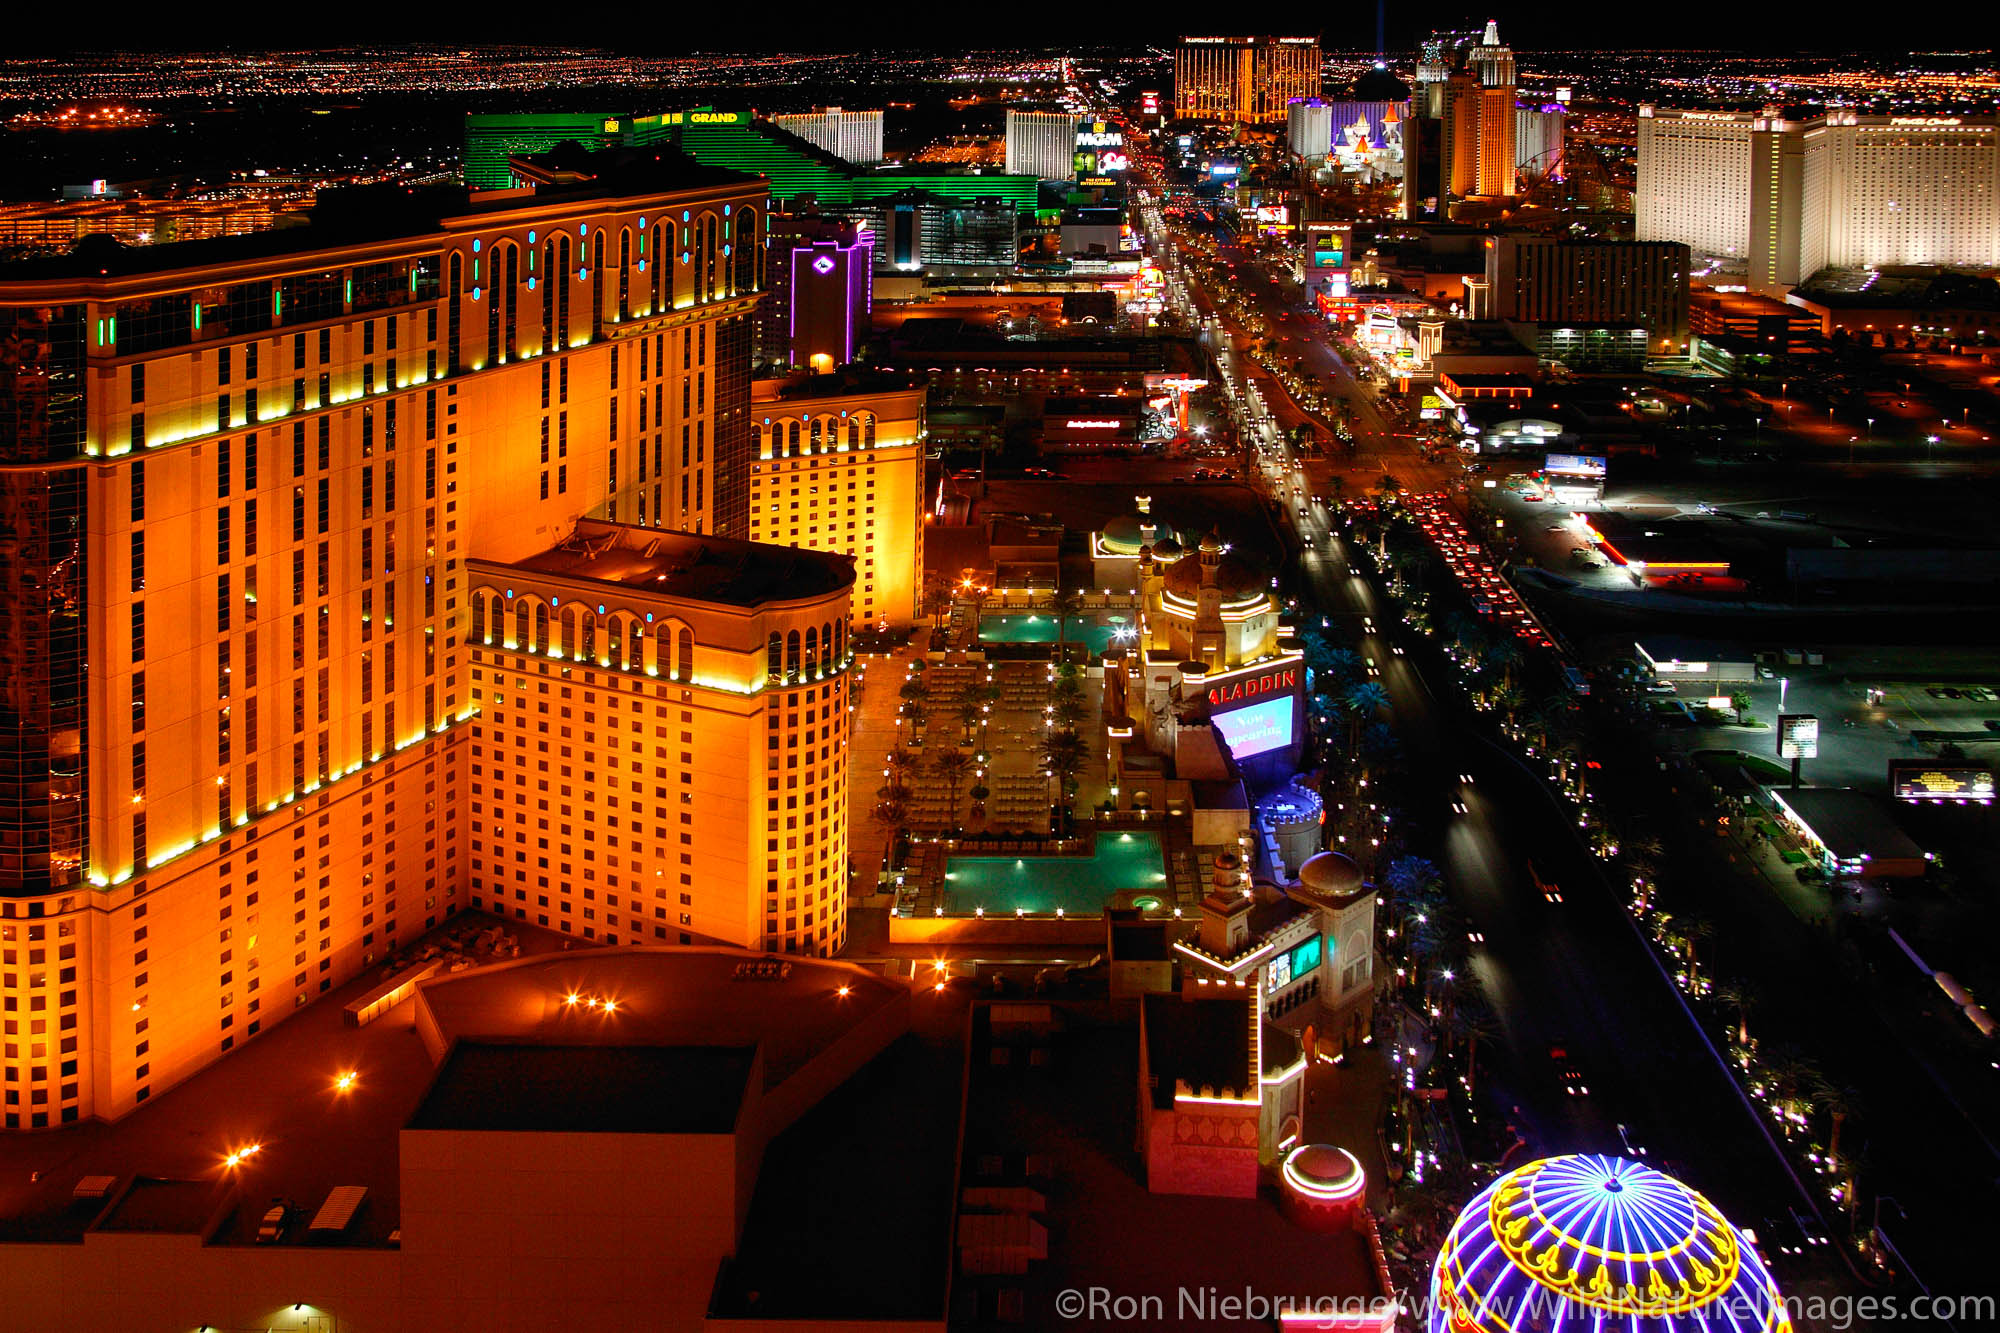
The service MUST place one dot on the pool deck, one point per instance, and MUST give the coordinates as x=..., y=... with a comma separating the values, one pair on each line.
x=1188, y=869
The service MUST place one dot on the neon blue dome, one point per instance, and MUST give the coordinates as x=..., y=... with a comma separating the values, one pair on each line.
x=1593, y=1244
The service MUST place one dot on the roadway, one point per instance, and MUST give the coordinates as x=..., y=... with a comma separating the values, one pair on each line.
x=1573, y=972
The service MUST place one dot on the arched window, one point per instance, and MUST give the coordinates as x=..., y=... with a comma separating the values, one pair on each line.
x=774, y=658
x=635, y=645
x=826, y=642
x=812, y=653
x=853, y=433
x=479, y=617
x=743, y=262
x=663, y=649
x=507, y=278
x=596, y=282
x=522, y=620
x=541, y=628
x=614, y=644
x=589, y=636
x=656, y=261
x=454, y=316
x=792, y=446
x=569, y=640
x=792, y=657
x=684, y=655
x=493, y=301
x=625, y=274
x=564, y=277
x=552, y=282
x=868, y=430
x=818, y=429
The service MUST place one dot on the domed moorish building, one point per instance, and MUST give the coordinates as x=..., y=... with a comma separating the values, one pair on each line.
x=1207, y=649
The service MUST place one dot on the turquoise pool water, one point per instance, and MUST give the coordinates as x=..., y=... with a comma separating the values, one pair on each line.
x=1080, y=885
x=1026, y=627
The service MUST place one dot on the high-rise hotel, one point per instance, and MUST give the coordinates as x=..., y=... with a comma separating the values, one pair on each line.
x=1785, y=198
x=1244, y=79
x=310, y=633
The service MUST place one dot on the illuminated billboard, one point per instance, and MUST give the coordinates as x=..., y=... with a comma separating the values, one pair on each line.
x=1258, y=728
x=1932, y=780
x=1798, y=736
x=1573, y=465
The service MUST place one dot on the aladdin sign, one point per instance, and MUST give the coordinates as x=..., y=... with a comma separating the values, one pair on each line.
x=1245, y=688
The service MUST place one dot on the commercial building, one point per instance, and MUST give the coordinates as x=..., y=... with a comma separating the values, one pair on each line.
x=970, y=213
x=822, y=291
x=597, y=1138
x=1206, y=679
x=1538, y=140
x=1041, y=144
x=1250, y=80
x=240, y=522
x=1786, y=198
x=851, y=136
x=491, y=139
x=1466, y=84
x=918, y=230
x=57, y=225
x=1851, y=833
x=841, y=468
x=730, y=658
x=1581, y=284
x=1310, y=127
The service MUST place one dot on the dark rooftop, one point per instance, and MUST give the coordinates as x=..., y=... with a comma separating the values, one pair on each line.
x=687, y=565
x=183, y=1207
x=1203, y=1042
x=852, y=1215
x=587, y=1089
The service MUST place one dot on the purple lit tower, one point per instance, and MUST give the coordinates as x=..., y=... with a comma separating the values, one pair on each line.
x=822, y=292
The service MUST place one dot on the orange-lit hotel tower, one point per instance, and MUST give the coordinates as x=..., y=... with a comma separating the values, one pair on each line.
x=361, y=572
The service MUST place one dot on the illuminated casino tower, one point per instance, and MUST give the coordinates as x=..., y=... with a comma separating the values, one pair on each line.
x=1244, y=79
x=260, y=486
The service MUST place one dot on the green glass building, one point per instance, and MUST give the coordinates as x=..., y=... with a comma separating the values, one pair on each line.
x=721, y=138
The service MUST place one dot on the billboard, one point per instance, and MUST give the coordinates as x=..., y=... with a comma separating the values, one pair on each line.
x=1260, y=727
x=1798, y=736
x=1574, y=465
x=1936, y=780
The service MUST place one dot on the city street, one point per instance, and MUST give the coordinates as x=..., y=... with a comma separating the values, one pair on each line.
x=1573, y=973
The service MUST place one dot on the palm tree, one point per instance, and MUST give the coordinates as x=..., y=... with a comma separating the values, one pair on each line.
x=1062, y=756
x=1066, y=603
x=1839, y=1102
x=1503, y=656
x=1472, y=1022
x=1363, y=700
x=1739, y=1000
x=1692, y=931
x=969, y=714
x=951, y=767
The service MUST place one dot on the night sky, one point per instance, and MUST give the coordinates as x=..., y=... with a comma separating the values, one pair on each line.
x=1547, y=24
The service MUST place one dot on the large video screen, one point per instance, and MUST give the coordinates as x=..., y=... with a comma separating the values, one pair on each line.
x=1260, y=727
x=1933, y=780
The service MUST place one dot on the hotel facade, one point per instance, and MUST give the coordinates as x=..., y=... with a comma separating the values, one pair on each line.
x=1250, y=80
x=253, y=487
x=1786, y=198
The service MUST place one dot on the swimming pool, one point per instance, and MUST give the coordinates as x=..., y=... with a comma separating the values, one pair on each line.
x=1029, y=627
x=1079, y=885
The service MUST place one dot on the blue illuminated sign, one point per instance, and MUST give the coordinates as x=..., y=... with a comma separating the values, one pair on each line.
x=1260, y=727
